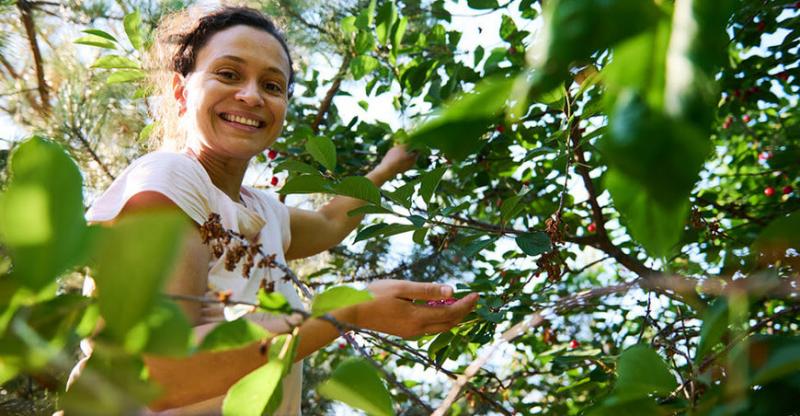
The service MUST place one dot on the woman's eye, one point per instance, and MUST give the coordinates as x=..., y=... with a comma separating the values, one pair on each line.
x=273, y=87
x=230, y=75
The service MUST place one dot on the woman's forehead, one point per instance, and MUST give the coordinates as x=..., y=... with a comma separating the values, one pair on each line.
x=247, y=45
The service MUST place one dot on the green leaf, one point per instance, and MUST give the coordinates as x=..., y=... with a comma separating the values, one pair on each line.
x=534, y=244
x=133, y=28
x=293, y=165
x=781, y=362
x=387, y=15
x=115, y=61
x=338, y=297
x=508, y=209
x=430, y=181
x=593, y=25
x=273, y=302
x=322, y=150
x=779, y=236
x=100, y=33
x=457, y=131
x=359, y=187
x=111, y=384
x=232, y=335
x=363, y=65
x=250, y=395
x=477, y=246
x=715, y=323
x=369, y=209
x=641, y=372
x=356, y=383
x=384, y=230
x=365, y=18
x=125, y=75
x=483, y=4
x=146, y=131
x=507, y=28
x=167, y=331
x=656, y=226
x=306, y=184
x=41, y=213
x=398, y=31
x=419, y=235
x=97, y=41
x=364, y=42
x=348, y=25
x=402, y=195
x=133, y=259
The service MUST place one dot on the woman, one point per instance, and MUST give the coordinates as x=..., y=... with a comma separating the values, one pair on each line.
x=231, y=80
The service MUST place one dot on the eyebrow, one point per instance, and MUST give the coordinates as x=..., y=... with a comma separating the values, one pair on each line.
x=240, y=60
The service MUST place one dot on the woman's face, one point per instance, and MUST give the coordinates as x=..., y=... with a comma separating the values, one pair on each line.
x=235, y=99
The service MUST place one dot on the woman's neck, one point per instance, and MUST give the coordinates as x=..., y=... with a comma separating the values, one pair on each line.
x=227, y=174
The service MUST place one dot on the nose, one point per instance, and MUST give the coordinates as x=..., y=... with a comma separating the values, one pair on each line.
x=250, y=94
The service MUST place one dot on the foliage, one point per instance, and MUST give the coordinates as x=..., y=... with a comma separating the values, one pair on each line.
x=627, y=175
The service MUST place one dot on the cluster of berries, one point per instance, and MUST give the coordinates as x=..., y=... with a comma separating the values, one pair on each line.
x=442, y=302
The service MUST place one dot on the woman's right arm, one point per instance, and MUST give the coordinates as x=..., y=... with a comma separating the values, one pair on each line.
x=207, y=375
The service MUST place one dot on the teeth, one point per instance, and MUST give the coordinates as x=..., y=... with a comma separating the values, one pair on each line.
x=241, y=120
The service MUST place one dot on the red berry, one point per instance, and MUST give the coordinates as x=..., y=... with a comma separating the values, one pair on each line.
x=737, y=93
x=342, y=345
x=272, y=154
x=783, y=75
x=797, y=5
x=746, y=118
x=574, y=344
x=761, y=26
x=787, y=189
x=753, y=90
x=769, y=191
x=500, y=128
x=591, y=228
x=274, y=181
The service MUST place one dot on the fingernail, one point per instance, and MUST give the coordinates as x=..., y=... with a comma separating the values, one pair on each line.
x=447, y=291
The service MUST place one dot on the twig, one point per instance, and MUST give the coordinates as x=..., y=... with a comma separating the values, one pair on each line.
x=529, y=322
x=30, y=28
x=326, y=102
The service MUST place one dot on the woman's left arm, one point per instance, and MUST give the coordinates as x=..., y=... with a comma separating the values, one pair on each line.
x=316, y=231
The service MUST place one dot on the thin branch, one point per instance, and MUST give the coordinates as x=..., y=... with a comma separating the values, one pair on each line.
x=77, y=134
x=325, y=106
x=30, y=28
x=529, y=322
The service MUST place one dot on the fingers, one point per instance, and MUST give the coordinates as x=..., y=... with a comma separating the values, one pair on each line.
x=451, y=313
x=422, y=291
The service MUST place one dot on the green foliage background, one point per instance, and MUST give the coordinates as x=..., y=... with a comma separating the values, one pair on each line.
x=625, y=170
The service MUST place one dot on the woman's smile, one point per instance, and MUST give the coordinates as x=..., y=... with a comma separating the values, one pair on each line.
x=244, y=122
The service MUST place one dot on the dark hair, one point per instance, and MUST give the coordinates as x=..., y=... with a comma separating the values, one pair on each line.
x=190, y=43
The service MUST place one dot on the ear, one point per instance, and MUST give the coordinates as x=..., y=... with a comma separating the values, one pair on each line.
x=179, y=92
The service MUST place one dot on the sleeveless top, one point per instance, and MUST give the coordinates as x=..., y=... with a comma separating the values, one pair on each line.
x=261, y=217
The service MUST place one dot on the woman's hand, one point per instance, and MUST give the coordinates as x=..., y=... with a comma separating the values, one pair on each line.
x=393, y=312
x=397, y=160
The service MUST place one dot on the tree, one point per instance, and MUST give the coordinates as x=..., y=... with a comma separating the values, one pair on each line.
x=620, y=186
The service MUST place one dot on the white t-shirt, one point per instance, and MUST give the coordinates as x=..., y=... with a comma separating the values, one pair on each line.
x=182, y=179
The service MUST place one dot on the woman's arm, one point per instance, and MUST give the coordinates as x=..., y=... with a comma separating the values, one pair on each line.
x=316, y=231
x=206, y=375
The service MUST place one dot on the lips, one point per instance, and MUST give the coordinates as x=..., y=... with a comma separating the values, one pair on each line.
x=244, y=120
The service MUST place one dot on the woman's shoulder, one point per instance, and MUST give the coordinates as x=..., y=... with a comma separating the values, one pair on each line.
x=176, y=176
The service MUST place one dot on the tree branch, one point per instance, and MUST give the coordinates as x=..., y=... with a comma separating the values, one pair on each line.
x=26, y=17
x=325, y=106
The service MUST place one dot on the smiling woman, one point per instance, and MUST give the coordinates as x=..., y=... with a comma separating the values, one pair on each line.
x=225, y=92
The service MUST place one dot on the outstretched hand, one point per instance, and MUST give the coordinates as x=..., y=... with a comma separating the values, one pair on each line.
x=393, y=312
x=397, y=160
